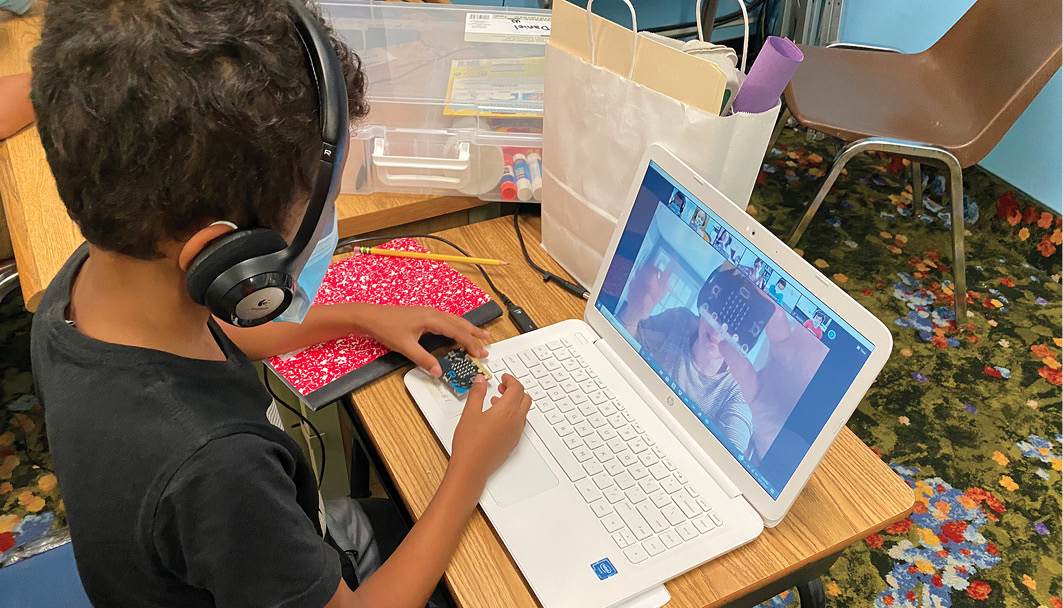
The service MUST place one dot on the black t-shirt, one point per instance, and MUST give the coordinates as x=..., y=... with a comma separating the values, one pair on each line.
x=178, y=490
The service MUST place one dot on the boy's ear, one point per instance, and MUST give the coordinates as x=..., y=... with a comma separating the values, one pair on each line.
x=199, y=241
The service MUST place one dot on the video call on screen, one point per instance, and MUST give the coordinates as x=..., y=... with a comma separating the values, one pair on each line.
x=760, y=361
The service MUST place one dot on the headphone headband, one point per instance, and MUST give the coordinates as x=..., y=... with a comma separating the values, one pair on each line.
x=326, y=72
x=248, y=277
x=333, y=117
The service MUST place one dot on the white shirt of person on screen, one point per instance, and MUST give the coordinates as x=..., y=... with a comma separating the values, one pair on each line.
x=725, y=244
x=688, y=348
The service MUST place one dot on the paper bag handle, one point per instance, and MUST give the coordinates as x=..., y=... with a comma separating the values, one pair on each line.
x=701, y=31
x=634, y=38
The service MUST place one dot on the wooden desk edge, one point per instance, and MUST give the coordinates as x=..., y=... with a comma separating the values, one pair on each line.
x=28, y=270
x=416, y=207
x=900, y=489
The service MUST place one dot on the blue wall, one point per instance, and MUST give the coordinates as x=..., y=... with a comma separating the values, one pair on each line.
x=1030, y=156
x=656, y=13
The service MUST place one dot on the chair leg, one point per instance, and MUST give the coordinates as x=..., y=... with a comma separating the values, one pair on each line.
x=959, y=261
x=844, y=155
x=8, y=279
x=917, y=187
x=784, y=117
x=812, y=594
x=909, y=149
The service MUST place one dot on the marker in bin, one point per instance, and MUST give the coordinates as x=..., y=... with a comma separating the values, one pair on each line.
x=509, y=182
x=520, y=171
x=535, y=170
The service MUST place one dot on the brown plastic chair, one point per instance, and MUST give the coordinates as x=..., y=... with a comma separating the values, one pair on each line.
x=947, y=106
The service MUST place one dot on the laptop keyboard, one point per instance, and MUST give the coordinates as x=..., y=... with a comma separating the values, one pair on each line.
x=645, y=504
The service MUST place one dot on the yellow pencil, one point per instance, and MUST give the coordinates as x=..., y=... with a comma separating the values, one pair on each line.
x=432, y=256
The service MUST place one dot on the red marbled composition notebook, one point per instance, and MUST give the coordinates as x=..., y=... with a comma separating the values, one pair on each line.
x=323, y=373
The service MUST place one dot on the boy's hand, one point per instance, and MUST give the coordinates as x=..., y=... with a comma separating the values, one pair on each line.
x=647, y=288
x=396, y=327
x=400, y=327
x=483, y=440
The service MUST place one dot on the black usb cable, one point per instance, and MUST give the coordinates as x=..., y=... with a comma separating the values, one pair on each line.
x=548, y=276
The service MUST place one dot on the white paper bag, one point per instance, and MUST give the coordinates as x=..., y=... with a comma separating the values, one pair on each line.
x=598, y=124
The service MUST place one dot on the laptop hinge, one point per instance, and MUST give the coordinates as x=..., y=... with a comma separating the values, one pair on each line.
x=680, y=433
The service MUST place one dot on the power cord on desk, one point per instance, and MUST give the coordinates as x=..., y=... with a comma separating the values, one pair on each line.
x=320, y=439
x=548, y=276
x=516, y=313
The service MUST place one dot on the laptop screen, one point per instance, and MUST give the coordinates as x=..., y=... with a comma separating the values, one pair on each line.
x=753, y=354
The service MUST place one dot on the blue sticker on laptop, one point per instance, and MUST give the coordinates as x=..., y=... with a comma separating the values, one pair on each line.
x=604, y=569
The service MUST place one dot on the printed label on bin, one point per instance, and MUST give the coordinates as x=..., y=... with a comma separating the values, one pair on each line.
x=507, y=28
x=496, y=87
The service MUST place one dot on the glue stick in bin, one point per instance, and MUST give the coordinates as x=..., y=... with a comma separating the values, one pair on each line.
x=520, y=171
x=509, y=183
x=535, y=174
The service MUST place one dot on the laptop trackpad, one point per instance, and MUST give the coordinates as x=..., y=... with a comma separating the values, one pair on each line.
x=523, y=475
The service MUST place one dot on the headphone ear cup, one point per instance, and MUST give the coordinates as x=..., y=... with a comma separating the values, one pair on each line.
x=228, y=251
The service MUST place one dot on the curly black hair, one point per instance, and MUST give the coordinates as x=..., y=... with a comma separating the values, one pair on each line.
x=158, y=116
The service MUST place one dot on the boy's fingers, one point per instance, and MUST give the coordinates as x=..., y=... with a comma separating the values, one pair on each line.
x=514, y=390
x=506, y=381
x=474, y=399
x=464, y=323
x=422, y=358
x=460, y=330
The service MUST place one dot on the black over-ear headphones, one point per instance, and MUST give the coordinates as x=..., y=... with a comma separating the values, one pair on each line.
x=247, y=277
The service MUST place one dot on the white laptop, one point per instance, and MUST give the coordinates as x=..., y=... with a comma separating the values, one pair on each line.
x=686, y=411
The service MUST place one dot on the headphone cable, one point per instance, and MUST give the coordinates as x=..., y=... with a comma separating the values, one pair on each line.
x=320, y=438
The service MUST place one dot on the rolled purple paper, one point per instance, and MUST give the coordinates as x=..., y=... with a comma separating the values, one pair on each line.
x=771, y=72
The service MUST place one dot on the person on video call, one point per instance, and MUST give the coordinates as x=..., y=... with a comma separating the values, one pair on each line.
x=726, y=246
x=778, y=291
x=756, y=274
x=688, y=347
x=816, y=323
x=677, y=203
x=699, y=220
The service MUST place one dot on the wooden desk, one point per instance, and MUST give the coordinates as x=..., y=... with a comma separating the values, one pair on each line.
x=43, y=236
x=851, y=495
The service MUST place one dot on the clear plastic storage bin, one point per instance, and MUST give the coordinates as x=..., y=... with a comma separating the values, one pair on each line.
x=455, y=98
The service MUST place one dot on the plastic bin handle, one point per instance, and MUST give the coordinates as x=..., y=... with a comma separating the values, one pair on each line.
x=384, y=162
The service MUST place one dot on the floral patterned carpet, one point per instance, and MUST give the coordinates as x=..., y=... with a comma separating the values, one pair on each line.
x=967, y=413
x=970, y=419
